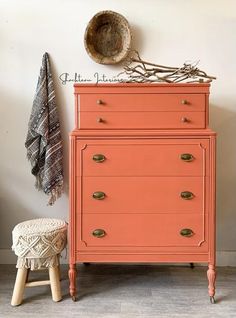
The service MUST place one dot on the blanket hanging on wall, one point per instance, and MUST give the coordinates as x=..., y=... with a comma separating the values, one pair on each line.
x=43, y=142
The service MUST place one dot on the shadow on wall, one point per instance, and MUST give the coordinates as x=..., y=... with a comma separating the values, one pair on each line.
x=62, y=108
x=138, y=39
x=223, y=121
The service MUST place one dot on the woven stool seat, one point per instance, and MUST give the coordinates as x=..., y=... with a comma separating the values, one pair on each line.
x=38, y=244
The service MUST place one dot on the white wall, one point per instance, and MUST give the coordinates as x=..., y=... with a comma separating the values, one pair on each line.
x=167, y=32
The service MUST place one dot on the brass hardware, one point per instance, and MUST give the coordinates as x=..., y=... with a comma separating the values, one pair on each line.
x=99, y=158
x=99, y=195
x=184, y=102
x=187, y=195
x=184, y=120
x=100, y=120
x=99, y=102
x=99, y=233
x=186, y=232
x=187, y=157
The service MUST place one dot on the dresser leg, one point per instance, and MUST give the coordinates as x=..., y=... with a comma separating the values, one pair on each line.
x=72, y=278
x=211, y=275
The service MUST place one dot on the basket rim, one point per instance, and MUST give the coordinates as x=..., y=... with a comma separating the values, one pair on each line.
x=98, y=57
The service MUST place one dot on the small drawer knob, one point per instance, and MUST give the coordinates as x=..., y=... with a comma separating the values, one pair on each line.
x=187, y=195
x=99, y=195
x=184, y=102
x=187, y=157
x=99, y=102
x=100, y=120
x=99, y=158
x=99, y=233
x=184, y=119
x=186, y=232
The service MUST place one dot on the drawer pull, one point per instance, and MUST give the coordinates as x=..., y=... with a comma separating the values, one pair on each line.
x=184, y=102
x=187, y=195
x=187, y=157
x=100, y=120
x=99, y=195
x=99, y=102
x=184, y=120
x=99, y=158
x=186, y=232
x=99, y=233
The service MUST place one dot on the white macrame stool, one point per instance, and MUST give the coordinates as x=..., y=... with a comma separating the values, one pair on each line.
x=38, y=244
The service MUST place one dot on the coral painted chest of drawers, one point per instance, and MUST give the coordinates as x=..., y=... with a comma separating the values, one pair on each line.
x=142, y=176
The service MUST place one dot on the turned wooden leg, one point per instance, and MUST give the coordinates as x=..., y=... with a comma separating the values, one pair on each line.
x=19, y=286
x=55, y=283
x=211, y=275
x=72, y=278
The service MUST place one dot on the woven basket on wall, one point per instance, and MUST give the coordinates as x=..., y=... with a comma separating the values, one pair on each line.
x=107, y=37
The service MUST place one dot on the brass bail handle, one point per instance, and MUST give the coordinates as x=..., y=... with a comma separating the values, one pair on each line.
x=99, y=195
x=99, y=158
x=187, y=195
x=186, y=232
x=187, y=157
x=99, y=233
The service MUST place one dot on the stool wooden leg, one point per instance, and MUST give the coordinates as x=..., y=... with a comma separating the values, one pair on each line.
x=59, y=272
x=55, y=283
x=19, y=286
x=27, y=276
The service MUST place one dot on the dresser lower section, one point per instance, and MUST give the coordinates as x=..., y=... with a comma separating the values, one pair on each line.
x=142, y=200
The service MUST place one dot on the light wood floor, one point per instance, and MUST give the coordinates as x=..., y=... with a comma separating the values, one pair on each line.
x=112, y=291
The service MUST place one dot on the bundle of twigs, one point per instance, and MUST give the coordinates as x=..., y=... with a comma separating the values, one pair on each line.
x=142, y=71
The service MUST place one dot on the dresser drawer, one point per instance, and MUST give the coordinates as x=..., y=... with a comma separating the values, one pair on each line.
x=140, y=230
x=142, y=102
x=142, y=120
x=143, y=194
x=144, y=158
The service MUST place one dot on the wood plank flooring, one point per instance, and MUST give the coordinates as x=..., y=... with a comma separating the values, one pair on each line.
x=125, y=291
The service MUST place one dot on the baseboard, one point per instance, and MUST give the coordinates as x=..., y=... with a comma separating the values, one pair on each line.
x=224, y=258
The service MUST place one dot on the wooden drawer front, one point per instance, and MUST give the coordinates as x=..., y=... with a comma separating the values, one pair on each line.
x=142, y=194
x=133, y=159
x=141, y=120
x=140, y=230
x=142, y=102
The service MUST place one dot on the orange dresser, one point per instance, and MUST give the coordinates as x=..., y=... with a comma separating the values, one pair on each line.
x=142, y=176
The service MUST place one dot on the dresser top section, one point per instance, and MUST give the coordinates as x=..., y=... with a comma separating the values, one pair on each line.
x=143, y=88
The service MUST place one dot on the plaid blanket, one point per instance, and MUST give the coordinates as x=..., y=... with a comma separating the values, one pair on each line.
x=43, y=142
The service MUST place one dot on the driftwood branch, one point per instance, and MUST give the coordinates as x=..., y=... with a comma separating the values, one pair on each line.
x=142, y=71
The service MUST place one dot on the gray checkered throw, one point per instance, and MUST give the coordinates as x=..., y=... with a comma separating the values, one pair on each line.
x=43, y=142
